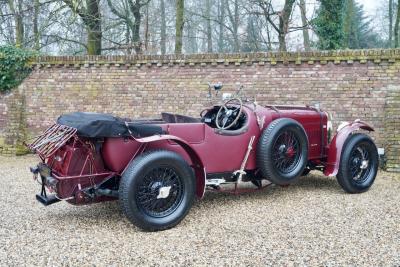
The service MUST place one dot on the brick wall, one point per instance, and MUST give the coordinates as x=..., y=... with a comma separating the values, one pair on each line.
x=348, y=84
x=392, y=128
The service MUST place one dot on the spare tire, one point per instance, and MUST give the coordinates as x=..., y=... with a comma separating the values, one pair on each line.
x=282, y=151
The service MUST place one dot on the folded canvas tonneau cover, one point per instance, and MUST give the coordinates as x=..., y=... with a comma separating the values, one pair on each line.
x=98, y=125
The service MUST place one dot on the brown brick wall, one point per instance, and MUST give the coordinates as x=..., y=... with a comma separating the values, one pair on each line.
x=392, y=128
x=348, y=84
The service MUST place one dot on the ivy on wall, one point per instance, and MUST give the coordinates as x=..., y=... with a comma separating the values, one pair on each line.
x=13, y=66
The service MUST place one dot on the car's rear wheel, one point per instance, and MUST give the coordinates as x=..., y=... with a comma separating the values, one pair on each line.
x=282, y=151
x=358, y=164
x=157, y=190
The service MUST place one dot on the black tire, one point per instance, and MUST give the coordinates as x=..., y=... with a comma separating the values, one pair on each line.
x=140, y=190
x=272, y=144
x=354, y=176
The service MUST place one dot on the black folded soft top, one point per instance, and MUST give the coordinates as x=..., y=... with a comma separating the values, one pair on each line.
x=98, y=125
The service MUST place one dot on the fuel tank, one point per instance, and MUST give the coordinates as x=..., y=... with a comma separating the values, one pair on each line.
x=117, y=152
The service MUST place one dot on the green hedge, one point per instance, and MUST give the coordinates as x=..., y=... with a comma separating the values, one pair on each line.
x=13, y=66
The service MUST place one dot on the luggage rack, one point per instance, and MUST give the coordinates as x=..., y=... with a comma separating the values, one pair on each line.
x=52, y=139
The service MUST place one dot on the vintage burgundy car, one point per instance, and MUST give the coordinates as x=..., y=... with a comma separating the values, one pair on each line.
x=156, y=167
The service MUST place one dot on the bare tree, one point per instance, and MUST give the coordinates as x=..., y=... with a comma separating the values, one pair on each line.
x=390, y=23
x=221, y=22
x=91, y=17
x=208, y=26
x=306, y=37
x=16, y=10
x=129, y=11
x=396, y=26
x=36, y=24
x=163, y=28
x=282, y=28
x=233, y=16
x=180, y=7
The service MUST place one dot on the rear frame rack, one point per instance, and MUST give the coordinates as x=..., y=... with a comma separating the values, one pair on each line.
x=51, y=140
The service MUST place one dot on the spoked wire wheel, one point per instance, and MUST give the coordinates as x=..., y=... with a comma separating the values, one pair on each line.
x=286, y=152
x=157, y=190
x=359, y=163
x=160, y=192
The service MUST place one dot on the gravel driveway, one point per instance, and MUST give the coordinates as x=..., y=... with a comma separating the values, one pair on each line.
x=310, y=223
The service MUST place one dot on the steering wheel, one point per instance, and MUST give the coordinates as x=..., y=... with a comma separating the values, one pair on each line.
x=228, y=113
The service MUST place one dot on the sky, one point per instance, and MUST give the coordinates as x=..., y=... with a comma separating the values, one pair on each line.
x=370, y=6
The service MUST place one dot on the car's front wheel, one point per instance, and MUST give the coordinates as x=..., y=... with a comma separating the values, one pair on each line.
x=358, y=164
x=157, y=190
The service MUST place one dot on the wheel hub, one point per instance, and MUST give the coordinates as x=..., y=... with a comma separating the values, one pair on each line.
x=290, y=152
x=364, y=164
x=164, y=192
x=282, y=149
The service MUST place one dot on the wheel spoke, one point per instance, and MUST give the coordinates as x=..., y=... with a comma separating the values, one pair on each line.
x=359, y=163
x=286, y=151
x=147, y=197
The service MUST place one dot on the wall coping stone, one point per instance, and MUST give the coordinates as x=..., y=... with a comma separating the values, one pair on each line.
x=313, y=57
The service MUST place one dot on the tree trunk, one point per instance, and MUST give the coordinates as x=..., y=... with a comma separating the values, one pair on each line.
x=234, y=19
x=180, y=6
x=390, y=23
x=93, y=25
x=192, y=45
x=348, y=23
x=284, y=23
x=163, y=28
x=146, y=29
x=36, y=25
x=221, y=15
x=268, y=37
x=306, y=37
x=135, y=9
x=18, y=20
x=128, y=39
x=236, y=27
x=209, y=30
x=396, y=26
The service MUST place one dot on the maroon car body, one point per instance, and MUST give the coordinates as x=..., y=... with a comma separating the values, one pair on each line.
x=84, y=170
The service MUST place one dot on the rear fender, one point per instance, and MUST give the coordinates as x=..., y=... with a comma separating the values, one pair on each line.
x=198, y=165
x=338, y=142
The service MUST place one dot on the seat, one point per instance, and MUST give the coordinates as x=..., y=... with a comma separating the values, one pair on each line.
x=176, y=118
x=144, y=130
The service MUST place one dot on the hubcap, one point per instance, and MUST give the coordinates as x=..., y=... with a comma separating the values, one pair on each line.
x=164, y=192
x=364, y=164
x=160, y=192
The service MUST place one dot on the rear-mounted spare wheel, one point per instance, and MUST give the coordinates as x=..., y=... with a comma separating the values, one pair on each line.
x=282, y=151
x=157, y=190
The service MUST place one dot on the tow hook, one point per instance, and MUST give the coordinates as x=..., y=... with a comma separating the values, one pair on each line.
x=51, y=182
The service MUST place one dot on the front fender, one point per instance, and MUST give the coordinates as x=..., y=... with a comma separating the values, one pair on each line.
x=336, y=146
x=198, y=165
